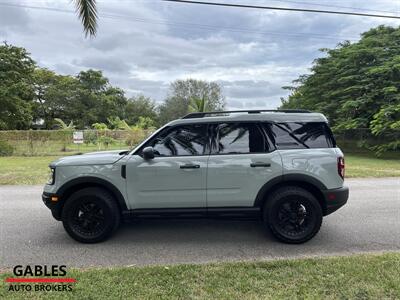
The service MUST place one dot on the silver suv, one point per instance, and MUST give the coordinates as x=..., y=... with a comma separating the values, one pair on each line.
x=282, y=166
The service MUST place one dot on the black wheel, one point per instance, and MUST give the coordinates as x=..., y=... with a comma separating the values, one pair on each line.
x=90, y=215
x=293, y=215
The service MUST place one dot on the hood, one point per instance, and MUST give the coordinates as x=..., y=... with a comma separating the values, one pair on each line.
x=92, y=158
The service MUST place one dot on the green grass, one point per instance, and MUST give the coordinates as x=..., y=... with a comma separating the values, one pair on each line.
x=34, y=170
x=367, y=165
x=352, y=277
x=24, y=170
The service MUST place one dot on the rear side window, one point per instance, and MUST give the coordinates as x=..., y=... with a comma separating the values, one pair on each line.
x=237, y=138
x=298, y=135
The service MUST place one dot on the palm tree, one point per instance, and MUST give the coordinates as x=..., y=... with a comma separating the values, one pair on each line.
x=87, y=12
x=198, y=105
x=66, y=132
x=63, y=126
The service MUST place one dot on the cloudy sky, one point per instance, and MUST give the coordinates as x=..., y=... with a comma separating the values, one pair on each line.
x=143, y=45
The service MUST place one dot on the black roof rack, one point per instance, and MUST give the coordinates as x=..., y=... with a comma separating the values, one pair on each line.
x=203, y=114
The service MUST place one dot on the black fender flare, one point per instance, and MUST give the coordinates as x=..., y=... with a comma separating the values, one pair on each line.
x=279, y=180
x=67, y=188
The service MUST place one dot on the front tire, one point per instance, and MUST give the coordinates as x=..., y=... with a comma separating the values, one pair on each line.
x=293, y=215
x=90, y=215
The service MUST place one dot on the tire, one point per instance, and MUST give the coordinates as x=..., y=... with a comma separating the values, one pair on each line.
x=293, y=215
x=90, y=215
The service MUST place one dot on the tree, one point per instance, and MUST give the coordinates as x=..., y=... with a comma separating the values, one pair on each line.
x=63, y=126
x=182, y=91
x=16, y=93
x=140, y=106
x=53, y=96
x=87, y=12
x=198, y=105
x=86, y=99
x=42, y=80
x=67, y=132
x=387, y=122
x=94, y=100
x=357, y=85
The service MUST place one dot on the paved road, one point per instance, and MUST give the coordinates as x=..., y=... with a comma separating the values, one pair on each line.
x=28, y=234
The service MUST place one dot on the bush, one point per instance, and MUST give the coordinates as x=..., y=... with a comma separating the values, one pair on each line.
x=135, y=136
x=145, y=123
x=90, y=137
x=106, y=141
x=46, y=135
x=6, y=149
x=100, y=126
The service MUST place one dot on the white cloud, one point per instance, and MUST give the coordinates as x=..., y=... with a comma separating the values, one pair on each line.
x=143, y=45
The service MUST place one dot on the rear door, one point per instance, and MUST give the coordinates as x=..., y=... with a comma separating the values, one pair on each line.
x=241, y=162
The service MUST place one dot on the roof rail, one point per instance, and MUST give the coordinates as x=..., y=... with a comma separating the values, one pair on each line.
x=257, y=111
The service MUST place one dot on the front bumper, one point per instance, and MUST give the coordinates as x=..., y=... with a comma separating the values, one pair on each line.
x=335, y=199
x=54, y=206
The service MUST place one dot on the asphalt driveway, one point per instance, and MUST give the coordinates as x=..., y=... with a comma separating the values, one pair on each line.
x=29, y=235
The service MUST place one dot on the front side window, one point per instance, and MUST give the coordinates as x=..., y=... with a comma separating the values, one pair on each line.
x=299, y=135
x=184, y=140
x=236, y=138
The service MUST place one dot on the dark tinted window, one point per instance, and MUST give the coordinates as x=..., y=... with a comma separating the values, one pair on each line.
x=181, y=141
x=239, y=138
x=295, y=135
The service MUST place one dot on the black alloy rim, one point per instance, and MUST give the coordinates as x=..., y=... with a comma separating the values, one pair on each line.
x=88, y=218
x=294, y=217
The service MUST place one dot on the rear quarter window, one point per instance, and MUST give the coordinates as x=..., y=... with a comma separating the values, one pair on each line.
x=301, y=135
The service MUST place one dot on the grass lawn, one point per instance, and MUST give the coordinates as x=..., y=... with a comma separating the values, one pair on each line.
x=25, y=170
x=366, y=165
x=353, y=277
x=34, y=170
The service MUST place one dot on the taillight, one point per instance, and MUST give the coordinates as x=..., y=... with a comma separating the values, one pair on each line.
x=340, y=166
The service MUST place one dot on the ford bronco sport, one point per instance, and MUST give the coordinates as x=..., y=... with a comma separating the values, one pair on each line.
x=282, y=166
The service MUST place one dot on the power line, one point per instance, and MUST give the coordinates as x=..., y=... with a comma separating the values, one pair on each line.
x=283, y=8
x=228, y=29
x=331, y=5
x=193, y=25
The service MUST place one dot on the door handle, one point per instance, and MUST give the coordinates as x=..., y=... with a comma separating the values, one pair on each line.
x=260, y=165
x=189, y=166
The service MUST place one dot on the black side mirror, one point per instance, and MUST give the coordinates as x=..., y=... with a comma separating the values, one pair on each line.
x=148, y=153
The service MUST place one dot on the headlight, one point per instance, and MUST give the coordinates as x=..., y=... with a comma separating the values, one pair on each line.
x=52, y=176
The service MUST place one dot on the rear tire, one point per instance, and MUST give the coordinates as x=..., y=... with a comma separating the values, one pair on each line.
x=292, y=214
x=90, y=215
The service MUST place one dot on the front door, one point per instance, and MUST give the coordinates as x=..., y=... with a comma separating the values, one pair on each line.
x=176, y=177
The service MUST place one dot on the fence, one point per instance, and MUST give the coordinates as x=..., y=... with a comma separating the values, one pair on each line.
x=60, y=142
